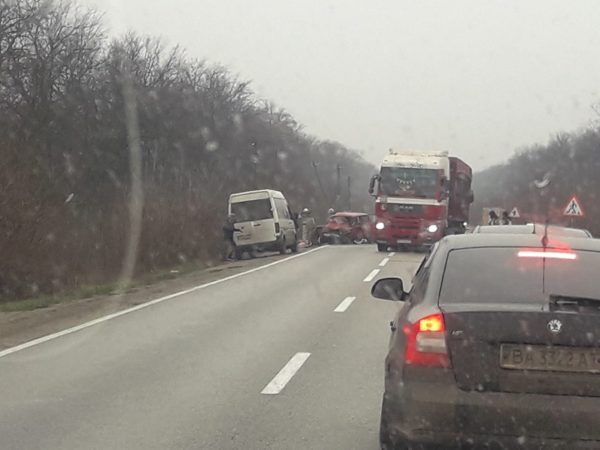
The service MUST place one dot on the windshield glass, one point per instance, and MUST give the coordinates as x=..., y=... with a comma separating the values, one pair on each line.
x=252, y=210
x=504, y=277
x=197, y=198
x=409, y=182
x=340, y=219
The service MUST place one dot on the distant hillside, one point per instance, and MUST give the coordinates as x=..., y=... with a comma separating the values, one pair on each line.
x=573, y=161
x=118, y=155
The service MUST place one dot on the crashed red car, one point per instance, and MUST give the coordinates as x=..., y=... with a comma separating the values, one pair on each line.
x=346, y=228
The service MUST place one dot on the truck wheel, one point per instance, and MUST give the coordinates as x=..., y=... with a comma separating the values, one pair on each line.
x=382, y=247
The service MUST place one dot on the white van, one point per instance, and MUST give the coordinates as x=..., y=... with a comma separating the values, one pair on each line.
x=265, y=221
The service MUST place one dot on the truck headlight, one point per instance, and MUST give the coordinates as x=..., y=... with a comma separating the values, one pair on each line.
x=380, y=225
x=432, y=228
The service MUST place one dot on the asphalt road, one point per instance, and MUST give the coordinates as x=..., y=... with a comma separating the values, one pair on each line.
x=200, y=370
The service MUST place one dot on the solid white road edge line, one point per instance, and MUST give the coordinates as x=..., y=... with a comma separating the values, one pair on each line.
x=108, y=317
x=372, y=275
x=345, y=304
x=383, y=262
x=392, y=254
x=285, y=375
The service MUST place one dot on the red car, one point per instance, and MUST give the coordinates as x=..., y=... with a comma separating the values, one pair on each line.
x=346, y=228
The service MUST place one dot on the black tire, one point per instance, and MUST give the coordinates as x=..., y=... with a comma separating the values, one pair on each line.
x=360, y=239
x=294, y=247
x=382, y=247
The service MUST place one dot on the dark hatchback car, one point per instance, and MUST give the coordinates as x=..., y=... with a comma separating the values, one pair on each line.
x=498, y=344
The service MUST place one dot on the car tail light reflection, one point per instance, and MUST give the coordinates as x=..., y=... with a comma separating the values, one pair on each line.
x=426, y=342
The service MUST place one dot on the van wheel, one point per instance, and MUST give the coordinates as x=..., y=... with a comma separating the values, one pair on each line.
x=282, y=247
x=382, y=247
x=295, y=247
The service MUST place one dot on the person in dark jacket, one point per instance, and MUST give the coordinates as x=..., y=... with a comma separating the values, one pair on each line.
x=505, y=220
x=229, y=248
x=494, y=219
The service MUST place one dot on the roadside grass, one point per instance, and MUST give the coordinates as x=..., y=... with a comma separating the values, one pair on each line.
x=113, y=288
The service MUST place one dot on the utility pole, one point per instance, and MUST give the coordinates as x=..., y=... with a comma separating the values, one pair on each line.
x=338, y=185
x=314, y=164
x=254, y=160
x=349, y=193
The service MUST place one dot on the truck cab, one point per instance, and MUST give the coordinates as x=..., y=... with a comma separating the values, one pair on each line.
x=419, y=197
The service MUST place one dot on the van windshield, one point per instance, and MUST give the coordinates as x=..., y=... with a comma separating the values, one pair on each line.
x=252, y=210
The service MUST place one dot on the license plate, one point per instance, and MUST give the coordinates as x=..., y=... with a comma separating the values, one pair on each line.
x=403, y=241
x=541, y=357
x=244, y=237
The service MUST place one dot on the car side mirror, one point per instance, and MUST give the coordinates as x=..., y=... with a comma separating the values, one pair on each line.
x=389, y=289
x=470, y=196
x=374, y=179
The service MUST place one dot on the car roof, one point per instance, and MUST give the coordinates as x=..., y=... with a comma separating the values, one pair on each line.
x=259, y=191
x=508, y=229
x=532, y=228
x=518, y=240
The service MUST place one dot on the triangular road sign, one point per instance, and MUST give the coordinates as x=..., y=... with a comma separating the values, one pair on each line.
x=514, y=214
x=573, y=208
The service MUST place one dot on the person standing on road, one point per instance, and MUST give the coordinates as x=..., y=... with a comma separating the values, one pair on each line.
x=308, y=226
x=494, y=220
x=505, y=220
x=229, y=247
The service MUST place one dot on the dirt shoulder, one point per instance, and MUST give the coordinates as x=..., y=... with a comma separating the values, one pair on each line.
x=22, y=326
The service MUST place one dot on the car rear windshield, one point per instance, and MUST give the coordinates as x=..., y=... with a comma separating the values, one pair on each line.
x=500, y=275
x=252, y=210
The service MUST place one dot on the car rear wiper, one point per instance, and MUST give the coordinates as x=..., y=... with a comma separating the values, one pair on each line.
x=578, y=304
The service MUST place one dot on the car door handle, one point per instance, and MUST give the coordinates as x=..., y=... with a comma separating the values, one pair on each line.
x=393, y=326
x=256, y=224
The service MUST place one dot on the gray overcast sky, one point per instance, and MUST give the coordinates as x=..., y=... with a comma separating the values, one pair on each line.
x=480, y=78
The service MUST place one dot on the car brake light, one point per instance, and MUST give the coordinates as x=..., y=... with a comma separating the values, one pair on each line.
x=426, y=342
x=432, y=323
x=547, y=254
x=276, y=228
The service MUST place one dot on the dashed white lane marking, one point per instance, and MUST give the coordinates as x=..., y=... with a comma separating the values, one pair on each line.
x=391, y=254
x=384, y=261
x=372, y=275
x=345, y=304
x=285, y=375
x=108, y=317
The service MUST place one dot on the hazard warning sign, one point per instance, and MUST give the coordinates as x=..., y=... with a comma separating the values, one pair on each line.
x=573, y=208
x=514, y=214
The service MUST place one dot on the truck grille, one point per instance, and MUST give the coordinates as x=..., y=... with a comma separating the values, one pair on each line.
x=405, y=227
